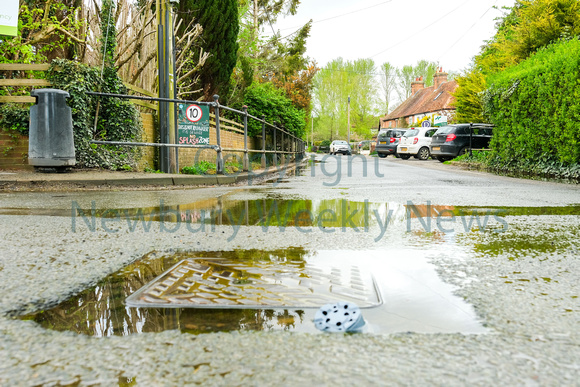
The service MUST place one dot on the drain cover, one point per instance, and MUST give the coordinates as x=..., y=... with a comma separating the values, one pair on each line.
x=223, y=283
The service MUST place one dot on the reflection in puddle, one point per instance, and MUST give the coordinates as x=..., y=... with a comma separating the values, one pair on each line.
x=224, y=283
x=282, y=212
x=415, y=299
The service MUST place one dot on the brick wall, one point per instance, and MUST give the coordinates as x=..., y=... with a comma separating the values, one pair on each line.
x=13, y=152
x=17, y=158
x=188, y=157
x=149, y=153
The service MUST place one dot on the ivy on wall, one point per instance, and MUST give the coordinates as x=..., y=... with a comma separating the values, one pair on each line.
x=117, y=119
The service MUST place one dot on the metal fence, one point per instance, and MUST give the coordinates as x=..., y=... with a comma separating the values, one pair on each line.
x=284, y=144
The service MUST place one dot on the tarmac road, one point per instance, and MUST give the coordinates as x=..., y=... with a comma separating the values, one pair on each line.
x=520, y=275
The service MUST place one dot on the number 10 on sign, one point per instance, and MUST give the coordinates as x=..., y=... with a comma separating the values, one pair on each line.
x=194, y=113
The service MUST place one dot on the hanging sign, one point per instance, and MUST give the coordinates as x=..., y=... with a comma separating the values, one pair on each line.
x=9, y=17
x=193, y=124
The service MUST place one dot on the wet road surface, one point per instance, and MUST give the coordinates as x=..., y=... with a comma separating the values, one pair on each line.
x=477, y=276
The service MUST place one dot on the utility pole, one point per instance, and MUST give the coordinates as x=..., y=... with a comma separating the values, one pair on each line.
x=166, y=72
x=312, y=131
x=348, y=119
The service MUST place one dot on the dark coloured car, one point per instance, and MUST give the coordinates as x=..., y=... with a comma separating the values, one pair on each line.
x=387, y=141
x=453, y=140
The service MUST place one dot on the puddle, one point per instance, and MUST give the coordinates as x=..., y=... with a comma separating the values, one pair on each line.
x=404, y=294
x=283, y=212
x=519, y=241
x=276, y=212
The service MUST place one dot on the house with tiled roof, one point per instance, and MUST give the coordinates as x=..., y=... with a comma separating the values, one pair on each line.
x=424, y=101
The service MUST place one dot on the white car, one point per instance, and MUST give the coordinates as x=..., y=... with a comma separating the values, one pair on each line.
x=339, y=146
x=415, y=142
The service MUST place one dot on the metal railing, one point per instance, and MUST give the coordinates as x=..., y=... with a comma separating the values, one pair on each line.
x=288, y=145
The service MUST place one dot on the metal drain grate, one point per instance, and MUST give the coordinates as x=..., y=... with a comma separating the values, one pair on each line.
x=223, y=283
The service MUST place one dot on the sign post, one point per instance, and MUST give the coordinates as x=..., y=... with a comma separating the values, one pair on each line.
x=193, y=124
x=9, y=17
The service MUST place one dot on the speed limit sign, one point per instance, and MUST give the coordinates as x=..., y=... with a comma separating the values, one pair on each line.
x=193, y=113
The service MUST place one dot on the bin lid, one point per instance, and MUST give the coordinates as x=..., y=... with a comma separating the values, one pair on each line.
x=38, y=92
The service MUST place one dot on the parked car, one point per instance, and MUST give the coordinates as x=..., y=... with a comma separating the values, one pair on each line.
x=415, y=142
x=339, y=146
x=364, y=144
x=453, y=140
x=387, y=141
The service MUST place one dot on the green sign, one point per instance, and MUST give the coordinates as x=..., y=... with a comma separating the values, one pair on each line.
x=440, y=120
x=193, y=124
x=9, y=17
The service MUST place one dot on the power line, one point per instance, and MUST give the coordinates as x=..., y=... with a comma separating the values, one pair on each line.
x=344, y=14
x=465, y=33
x=423, y=29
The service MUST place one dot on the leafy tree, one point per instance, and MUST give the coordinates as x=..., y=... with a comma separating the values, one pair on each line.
x=262, y=11
x=426, y=70
x=298, y=86
x=278, y=60
x=468, y=97
x=264, y=99
x=46, y=30
x=406, y=76
x=388, y=84
x=525, y=28
x=334, y=84
x=529, y=25
x=219, y=20
x=408, y=73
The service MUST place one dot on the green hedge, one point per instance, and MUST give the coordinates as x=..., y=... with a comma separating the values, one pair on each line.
x=535, y=107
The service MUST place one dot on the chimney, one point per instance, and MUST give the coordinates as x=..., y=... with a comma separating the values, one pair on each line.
x=439, y=78
x=417, y=85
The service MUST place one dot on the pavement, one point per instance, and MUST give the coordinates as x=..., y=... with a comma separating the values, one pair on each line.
x=80, y=179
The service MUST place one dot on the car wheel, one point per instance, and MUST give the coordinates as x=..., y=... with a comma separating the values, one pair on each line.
x=405, y=157
x=423, y=153
x=382, y=155
x=463, y=151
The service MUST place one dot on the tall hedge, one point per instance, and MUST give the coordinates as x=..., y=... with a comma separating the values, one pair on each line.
x=535, y=106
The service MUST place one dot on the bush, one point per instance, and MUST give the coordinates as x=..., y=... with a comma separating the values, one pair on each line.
x=264, y=99
x=200, y=168
x=14, y=118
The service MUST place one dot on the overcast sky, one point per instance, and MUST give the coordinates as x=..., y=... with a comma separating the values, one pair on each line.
x=401, y=32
